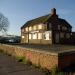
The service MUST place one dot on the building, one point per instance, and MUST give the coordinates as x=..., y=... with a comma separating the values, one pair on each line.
x=48, y=29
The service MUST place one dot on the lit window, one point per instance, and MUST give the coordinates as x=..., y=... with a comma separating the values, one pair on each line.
x=47, y=35
x=39, y=35
x=27, y=29
x=39, y=26
x=29, y=36
x=30, y=28
x=34, y=35
x=22, y=37
x=34, y=27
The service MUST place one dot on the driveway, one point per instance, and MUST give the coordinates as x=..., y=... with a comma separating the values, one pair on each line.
x=9, y=66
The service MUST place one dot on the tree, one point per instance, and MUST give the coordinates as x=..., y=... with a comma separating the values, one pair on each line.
x=4, y=23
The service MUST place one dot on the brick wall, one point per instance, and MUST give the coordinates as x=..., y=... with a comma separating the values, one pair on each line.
x=66, y=59
x=44, y=59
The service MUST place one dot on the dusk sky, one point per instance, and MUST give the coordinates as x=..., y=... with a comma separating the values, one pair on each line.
x=20, y=11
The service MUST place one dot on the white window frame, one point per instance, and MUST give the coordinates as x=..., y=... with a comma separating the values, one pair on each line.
x=47, y=35
x=39, y=35
x=30, y=36
x=40, y=26
x=34, y=36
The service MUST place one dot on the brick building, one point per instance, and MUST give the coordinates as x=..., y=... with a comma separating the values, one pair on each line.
x=48, y=29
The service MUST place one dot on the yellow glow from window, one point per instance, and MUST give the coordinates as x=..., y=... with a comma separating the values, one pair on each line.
x=30, y=28
x=39, y=26
x=27, y=29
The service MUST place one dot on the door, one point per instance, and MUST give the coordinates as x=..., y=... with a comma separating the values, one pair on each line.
x=57, y=38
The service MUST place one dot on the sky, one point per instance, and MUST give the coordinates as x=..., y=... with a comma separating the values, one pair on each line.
x=19, y=12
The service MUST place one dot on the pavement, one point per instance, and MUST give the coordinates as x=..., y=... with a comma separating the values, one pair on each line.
x=10, y=66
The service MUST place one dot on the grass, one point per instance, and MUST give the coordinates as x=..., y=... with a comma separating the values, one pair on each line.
x=23, y=60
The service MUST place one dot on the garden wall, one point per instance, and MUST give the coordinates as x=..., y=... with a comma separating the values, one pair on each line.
x=44, y=59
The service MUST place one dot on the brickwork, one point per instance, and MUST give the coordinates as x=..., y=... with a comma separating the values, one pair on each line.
x=66, y=59
x=44, y=59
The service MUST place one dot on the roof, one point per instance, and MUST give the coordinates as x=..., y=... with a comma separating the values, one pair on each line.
x=44, y=19
x=64, y=22
x=37, y=20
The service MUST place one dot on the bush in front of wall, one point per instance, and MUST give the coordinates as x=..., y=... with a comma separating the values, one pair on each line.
x=23, y=60
x=55, y=71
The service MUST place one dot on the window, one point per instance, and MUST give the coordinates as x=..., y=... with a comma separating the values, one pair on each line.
x=50, y=26
x=34, y=35
x=64, y=28
x=47, y=35
x=68, y=35
x=30, y=36
x=62, y=35
x=58, y=27
x=40, y=26
x=30, y=28
x=22, y=37
x=39, y=35
x=34, y=27
x=26, y=29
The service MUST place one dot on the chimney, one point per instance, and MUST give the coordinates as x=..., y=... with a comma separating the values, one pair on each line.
x=53, y=11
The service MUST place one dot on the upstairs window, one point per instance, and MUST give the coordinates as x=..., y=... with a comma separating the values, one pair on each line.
x=58, y=27
x=26, y=28
x=30, y=28
x=40, y=26
x=61, y=35
x=49, y=26
x=67, y=35
x=34, y=27
x=64, y=28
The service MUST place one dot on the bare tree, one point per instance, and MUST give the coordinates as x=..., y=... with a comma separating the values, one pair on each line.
x=4, y=23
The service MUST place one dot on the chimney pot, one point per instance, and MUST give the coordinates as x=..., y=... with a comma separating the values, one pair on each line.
x=53, y=11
